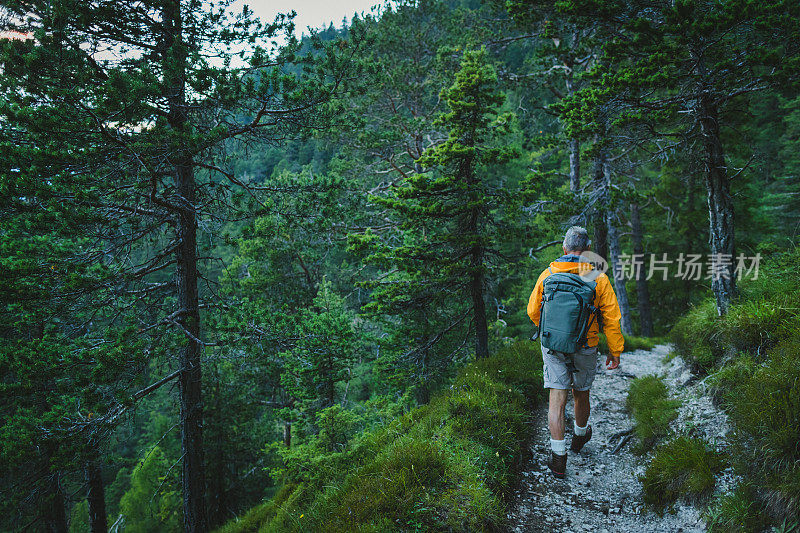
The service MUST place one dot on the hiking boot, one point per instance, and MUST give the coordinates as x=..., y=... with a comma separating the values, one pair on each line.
x=558, y=464
x=578, y=441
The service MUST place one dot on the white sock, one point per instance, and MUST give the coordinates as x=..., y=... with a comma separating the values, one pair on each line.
x=581, y=431
x=559, y=447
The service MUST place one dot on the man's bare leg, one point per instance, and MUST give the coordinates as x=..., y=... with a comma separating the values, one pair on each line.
x=555, y=413
x=582, y=409
x=582, y=432
x=555, y=421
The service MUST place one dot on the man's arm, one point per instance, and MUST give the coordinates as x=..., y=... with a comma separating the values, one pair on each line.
x=609, y=310
x=535, y=301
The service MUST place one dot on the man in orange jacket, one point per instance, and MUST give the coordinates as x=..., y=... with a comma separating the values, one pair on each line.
x=576, y=371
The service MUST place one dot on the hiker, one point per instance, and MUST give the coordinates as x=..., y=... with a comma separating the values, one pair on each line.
x=578, y=301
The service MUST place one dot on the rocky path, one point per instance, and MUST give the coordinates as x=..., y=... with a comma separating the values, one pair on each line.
x=601, y=491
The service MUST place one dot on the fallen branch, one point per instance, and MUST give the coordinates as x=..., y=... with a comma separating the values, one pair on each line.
x=622, y=443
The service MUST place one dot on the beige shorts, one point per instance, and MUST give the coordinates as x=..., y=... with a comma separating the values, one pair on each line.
x=557, y=374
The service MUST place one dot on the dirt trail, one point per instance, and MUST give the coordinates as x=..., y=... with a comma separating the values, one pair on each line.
x=601, y=491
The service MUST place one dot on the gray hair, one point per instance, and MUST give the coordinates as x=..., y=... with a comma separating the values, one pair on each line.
x=576, y=239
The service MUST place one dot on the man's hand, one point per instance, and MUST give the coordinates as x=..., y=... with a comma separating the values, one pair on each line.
x=612, y=362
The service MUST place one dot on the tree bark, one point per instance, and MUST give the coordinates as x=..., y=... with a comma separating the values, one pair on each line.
x=96, y=498
x=619, y=284
x=574, y=144
x=720, y=203
x=479, y=306
x=574, y=165
x=477, y=252
x=287, y=434
x=615, y=251
x=600, y=221
x=718, y=187
x=642, y=291
x=190, y=382
x=691, y=242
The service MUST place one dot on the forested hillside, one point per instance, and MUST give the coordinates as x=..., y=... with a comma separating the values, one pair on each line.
x=253, y=281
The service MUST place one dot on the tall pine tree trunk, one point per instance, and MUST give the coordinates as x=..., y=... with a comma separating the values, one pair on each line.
x=190, y=389
x=642, y=292
x=574, y=165
x=718, y=187
x=615, y=251
x=619, y=285
x=720, y=203
x=691, y=242
x=574, y=144
x=599, y=218
x=477, y=252
x=479, y=306
x=96, y=498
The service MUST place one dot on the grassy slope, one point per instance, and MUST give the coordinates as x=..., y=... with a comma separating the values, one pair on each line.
x=444, y=466
x=753, y=354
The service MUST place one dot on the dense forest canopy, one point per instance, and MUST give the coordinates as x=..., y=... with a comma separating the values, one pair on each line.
x=227, y=254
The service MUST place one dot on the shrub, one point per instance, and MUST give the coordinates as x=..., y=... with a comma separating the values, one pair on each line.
x=681, y=468
x=756, y=325
x=764, y=314
x=442, y=466
x=652, y=410
x=260, y=514
x=695, y=337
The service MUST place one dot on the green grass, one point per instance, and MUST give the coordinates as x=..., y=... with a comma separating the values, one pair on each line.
x=735, y=512
x=652, y=410
x=445, y=466
x=753, y=358
x=762, y=400
x=684, y=468
x=631, y=343
x=260, y=514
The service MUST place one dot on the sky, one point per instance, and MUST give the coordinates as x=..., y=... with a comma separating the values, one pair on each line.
x=314, y=13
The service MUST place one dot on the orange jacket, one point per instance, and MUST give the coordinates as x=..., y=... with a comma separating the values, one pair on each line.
x=604, y=299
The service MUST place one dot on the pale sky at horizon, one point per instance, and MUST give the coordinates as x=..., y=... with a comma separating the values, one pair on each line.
x=313, y=13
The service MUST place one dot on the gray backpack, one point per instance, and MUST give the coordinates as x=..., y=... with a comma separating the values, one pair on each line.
x=567, y=311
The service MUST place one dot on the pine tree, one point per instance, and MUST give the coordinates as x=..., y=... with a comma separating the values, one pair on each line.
x=142, y=99
x=448, y=218
x=681, y=71
x=562, y=52
x=326, y=345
